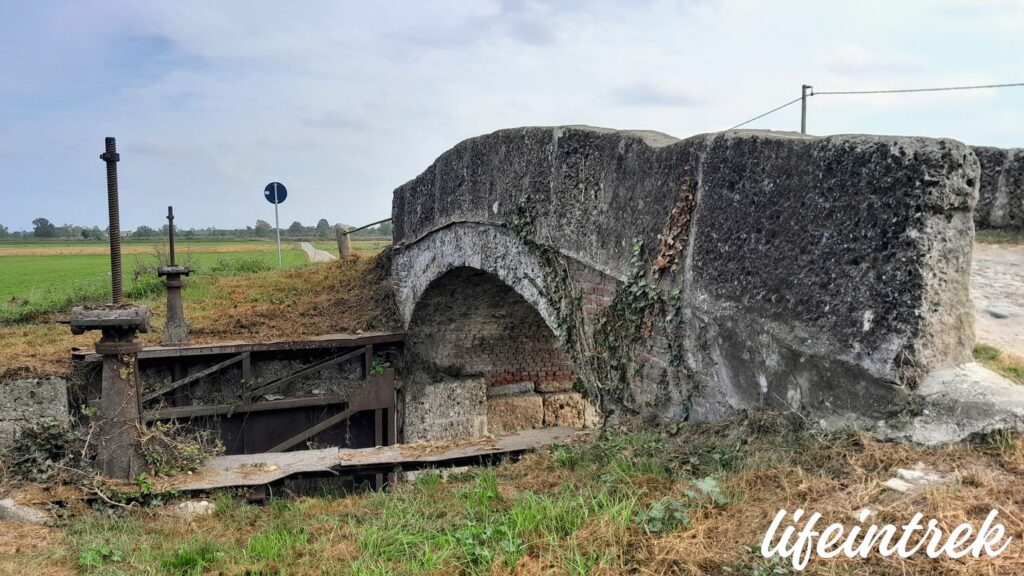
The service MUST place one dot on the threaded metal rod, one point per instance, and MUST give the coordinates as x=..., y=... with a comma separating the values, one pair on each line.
x=170, y=233
x=110, y=156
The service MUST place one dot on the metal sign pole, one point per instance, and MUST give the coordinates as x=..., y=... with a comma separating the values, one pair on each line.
x=277, y=224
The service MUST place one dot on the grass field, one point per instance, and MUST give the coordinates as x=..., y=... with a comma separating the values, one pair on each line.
x=696, y=502
x=41, y=277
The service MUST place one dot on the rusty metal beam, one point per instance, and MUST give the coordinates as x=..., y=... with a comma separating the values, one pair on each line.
x=316, y=343
x=305, y=371
x=313, y=431
x=193, y=377
x=183, y=412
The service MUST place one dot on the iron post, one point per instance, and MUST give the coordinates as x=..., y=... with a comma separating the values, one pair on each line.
x=119, y=448
x=175, y=327
x=111, y=157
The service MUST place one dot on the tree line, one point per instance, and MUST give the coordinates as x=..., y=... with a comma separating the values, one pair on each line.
x=44, y=229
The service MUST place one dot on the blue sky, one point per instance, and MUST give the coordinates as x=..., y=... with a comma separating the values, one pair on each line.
x=344, y=101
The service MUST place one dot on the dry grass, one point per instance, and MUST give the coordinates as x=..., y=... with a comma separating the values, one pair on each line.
x=759, y=469
x=338, y=297
x=347, y=296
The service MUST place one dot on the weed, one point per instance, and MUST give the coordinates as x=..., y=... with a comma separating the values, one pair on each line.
x=663, y=516
x=96, y=555
x=192, y=558
x=276, y=542
x=170, y=448
x=51, y=450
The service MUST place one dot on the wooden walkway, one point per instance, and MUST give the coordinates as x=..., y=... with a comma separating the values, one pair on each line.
x=260, y=469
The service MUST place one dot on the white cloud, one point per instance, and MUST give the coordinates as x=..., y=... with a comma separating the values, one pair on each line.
x=345, y=101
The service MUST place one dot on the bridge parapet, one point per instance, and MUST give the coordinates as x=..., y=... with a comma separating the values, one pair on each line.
x=690, y=278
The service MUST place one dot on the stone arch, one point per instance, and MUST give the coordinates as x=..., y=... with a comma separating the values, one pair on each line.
x=485, y=247
x=468, y=322
x=482, y=339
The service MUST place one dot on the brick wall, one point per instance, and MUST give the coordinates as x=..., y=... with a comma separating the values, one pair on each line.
x=470, y=323
x=597, y=287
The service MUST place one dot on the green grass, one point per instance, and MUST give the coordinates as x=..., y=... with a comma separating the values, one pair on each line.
x=466, y=525
x=994, y=359
x=998, y=236
x=698, y=502
x=32, y=285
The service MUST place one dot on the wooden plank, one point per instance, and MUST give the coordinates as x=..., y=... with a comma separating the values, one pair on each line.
x=313, y=431
x=183, y=412
x=259, y=469
x=189, y=379
x=305, y=371
x=326, y=341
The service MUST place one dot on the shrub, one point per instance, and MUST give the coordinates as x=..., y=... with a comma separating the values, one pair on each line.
x=51, y=450
x=172, y=448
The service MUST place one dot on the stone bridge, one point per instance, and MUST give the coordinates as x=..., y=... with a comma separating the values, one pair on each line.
x=684, y=279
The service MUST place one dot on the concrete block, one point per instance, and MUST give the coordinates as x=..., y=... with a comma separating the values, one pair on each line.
x=33, y=398
x=447, y=410
x=11, y=510
x=507, y=414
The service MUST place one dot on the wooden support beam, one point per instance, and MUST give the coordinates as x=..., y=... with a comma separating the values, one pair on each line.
x=304, y=371
x=309, y=432
x=189, y=379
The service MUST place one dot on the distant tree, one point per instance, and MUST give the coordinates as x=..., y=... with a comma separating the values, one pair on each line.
x=4, y=233
x=145, y=232
x=263, y=228
x=296, y=228
x=42, y=228
x=323, y=228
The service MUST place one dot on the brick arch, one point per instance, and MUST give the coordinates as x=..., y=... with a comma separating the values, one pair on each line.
x=468, y=322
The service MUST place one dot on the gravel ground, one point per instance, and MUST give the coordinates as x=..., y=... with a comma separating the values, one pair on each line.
x=997, y=286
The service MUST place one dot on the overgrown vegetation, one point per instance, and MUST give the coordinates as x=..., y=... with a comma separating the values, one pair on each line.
x=170, y=448
x=696, y=502
x=48, y=450
x=996, y=360
x=294, y=303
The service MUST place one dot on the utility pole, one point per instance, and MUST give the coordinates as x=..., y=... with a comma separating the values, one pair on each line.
x=803, y=107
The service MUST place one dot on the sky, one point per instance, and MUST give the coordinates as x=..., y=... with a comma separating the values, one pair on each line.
x=343, y=101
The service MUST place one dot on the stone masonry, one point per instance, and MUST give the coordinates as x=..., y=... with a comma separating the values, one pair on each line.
x=26, y=400
x=689, y=279
x=1001, y=194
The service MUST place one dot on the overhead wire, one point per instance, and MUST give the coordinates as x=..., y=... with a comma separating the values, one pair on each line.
x=894, y=91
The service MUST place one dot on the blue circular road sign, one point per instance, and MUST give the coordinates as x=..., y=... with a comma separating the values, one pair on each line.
x=275, y=193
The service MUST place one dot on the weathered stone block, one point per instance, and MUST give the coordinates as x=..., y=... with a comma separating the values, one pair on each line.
x=447, y=410
x=510, y=389
x=22, y=401
x=1001, y=192
x=565, y=409
x=33, y=398
x=507, y=414
x=820, y=274
x=548, y=386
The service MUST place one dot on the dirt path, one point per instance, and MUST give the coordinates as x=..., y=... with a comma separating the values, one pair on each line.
x=997, y=286
x=315, y=254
